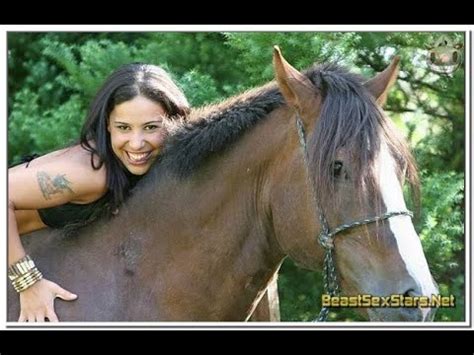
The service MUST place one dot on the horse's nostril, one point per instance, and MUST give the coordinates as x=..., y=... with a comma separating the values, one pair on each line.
x=418, y=313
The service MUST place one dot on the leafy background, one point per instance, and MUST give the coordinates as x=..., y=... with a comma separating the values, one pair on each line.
x=52, y=77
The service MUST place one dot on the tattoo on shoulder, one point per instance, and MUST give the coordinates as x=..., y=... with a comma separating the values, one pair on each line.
x=53, y=185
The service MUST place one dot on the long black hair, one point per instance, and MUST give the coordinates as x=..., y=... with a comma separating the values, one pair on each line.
x=123, y=85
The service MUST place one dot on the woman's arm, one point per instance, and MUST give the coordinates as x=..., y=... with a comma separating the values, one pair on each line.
x=37, y=301
x=55, y=179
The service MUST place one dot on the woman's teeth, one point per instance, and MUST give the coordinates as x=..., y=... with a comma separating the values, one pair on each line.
x=137, y=158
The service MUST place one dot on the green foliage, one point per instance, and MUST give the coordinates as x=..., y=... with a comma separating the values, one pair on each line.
x=300, y=296
x=299, y=48
x=25, y=110
x=200, y=89
x=33, y=127
x=203, y=52
x=441, y=229
x=96, y=60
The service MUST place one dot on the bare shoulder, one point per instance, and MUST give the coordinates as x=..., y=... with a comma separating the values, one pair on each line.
x=56, y=178
x=80, y=156
x=81, y=159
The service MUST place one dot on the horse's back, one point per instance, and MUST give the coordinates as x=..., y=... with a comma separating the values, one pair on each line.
x=74, y=264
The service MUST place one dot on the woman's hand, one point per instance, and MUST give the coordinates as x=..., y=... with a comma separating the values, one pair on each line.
x=37, y=302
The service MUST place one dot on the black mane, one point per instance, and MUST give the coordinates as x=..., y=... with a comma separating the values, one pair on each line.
x=212, y=129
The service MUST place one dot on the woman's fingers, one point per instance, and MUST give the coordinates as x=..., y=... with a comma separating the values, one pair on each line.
x=37, y=303
x=52, y=316
x=22, y=317
x=39, y=317
x=64, y=294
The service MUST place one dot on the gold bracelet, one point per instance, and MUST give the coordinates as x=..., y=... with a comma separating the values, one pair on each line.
x=21, y=267
x=24, y=274
x=27, y=280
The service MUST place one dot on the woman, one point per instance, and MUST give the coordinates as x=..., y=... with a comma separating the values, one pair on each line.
x=122, y=137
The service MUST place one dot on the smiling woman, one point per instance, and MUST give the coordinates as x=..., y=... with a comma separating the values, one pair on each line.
x=136, y=133
x=71, y=187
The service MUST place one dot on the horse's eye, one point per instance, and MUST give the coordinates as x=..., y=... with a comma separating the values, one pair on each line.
x=337, y=168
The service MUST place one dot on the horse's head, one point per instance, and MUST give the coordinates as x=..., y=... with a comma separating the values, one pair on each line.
x=356, y=166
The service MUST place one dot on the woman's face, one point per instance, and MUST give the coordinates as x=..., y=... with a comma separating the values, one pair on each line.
x=136, y=133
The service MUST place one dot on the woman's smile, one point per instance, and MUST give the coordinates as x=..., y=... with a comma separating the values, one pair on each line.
x=136, y=133
x=138, y=158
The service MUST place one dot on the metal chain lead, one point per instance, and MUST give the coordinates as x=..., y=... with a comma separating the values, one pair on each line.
x=326, y=237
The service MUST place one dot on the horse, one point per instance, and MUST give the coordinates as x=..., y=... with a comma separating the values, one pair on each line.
x=242, y=185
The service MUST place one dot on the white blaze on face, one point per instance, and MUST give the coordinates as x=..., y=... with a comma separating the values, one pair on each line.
x=408, y=242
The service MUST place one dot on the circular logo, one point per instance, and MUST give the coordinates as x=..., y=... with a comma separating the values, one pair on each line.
x=444, y=57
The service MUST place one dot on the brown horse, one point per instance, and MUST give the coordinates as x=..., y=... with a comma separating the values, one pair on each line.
x=239, y=187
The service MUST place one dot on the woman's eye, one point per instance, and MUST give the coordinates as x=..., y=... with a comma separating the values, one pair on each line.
x=337, y=169
x=151, y=127
x=122, y=128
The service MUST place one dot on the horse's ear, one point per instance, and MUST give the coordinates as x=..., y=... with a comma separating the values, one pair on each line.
x=295, y=87
x=380, y=84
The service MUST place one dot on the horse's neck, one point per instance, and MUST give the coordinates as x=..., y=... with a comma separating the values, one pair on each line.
x=214, y=228
x=225, y=203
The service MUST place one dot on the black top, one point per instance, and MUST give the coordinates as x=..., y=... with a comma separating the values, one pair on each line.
x=73, y=213
x=80, y=214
